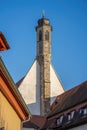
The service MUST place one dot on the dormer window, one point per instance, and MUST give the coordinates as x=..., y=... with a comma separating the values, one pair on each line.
x=59, y=120
x=40, y=35
x=83, y=111
x=70, y=115
x=47, y=36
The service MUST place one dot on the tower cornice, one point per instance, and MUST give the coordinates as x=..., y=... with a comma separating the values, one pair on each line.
x=43, y=22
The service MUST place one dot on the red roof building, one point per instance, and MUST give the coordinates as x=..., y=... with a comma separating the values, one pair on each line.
x=69, y=111
x=36, y=122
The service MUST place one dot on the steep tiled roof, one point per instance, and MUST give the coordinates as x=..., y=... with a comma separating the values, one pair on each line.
x=69, y=99
x=66, y=124
x=36, y=121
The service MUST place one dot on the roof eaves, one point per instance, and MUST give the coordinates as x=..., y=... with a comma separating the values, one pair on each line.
x=4, y=41
x=14, y=87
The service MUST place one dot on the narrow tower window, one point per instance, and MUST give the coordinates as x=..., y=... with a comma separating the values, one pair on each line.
x=47, y=36
x=40, y=35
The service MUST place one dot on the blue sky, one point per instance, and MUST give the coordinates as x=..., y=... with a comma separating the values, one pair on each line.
x=68, y=18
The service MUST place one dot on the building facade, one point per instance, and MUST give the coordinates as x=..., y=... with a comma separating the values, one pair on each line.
x=69, y=111
x=13, y=110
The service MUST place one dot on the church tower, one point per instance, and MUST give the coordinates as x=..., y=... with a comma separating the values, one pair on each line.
x=40, y=86
x=43, y=31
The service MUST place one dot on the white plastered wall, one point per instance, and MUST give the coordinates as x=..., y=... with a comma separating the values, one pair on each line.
x=30, y=87
x=56, y=86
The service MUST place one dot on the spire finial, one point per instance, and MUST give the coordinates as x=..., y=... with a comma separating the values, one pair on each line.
x=43, y=14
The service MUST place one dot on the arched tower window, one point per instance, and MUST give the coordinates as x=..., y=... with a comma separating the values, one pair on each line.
x=40, y=35
x=47, y=35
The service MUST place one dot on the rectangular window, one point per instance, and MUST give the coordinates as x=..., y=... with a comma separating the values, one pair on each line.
x=83, y=111
x=70, y=115
x=59, y=120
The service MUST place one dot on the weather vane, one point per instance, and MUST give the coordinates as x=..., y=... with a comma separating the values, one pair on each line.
x=43, y=13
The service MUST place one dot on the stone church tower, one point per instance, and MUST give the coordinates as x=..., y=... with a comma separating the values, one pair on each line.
x=44, y=59
x=41, y=85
